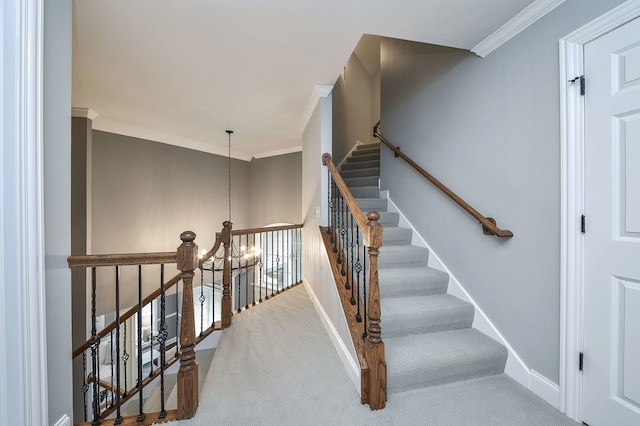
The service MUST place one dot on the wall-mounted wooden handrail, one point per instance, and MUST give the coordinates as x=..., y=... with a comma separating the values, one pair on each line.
x=348, y=198
x=488, y=224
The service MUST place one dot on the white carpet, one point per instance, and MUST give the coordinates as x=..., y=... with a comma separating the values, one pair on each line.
x=276, y=366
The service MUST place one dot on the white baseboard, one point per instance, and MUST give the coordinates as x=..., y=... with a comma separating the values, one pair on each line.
x=545, y=389
x=64, y=421
x=515, y=367
x=351, y=365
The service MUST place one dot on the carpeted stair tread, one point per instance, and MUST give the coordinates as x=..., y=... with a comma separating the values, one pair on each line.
x=431, y=359
x=369, y=204
x=404, y=316
x=368, y=156
x=403, y=282
x=394, y=235
x=403, y=256
x=373, y=171
x=360, y=165
x=355, y=182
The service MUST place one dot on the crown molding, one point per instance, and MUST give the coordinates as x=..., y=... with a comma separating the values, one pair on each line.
x=321, y=91
x=107, y=124
x=515, y=26
x=278, y=152
x=84, y=113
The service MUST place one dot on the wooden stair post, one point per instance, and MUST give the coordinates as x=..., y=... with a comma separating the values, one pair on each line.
x=225, y=317
x=187, y=262
x=375, y=346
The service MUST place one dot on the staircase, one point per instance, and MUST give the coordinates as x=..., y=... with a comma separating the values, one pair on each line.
x=427, y=332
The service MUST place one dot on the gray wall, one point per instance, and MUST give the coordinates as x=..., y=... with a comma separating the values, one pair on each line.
x=353, y=108
x=489, y=129
x=57, y=203
x=276, y=189
x=144, y=194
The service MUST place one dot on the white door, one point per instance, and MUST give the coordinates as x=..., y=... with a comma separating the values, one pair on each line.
x=611, y=377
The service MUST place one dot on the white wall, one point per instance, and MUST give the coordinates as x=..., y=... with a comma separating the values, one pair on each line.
x=57, y=203
x=489, y=129
x=317, y=274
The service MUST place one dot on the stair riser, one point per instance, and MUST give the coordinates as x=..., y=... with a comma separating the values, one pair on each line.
x=362, y=181
x=361, y=173
x=369, y=204
x=360, y=165
x=365, y=192
x=363, y=157
x=366, y=151
x=407, y=259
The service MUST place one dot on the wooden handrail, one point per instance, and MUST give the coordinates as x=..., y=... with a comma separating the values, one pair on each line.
x=348, y=198
x=264, y=229
x=94, y=260
x=488, y=224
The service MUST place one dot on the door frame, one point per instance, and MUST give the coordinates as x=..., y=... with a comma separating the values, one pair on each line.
x=572, y=128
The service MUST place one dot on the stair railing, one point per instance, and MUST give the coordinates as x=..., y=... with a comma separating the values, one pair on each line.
x=106, y=398
x=351, y=240
x=243, y=268
x=489, y=226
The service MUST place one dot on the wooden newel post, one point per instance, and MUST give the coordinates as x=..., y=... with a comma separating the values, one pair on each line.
x=225, y=318
x=187, y=262
x=375, y=346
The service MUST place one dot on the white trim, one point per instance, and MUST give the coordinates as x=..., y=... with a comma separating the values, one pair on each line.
x=84, y=113
x=515, y=367
x=545, y=389
x=515, y=26
x=108, y=124
x=320, y=91
x=350, y=364
x=64, y=421
x=572, y=200
x=22, y=137
x=279, y=152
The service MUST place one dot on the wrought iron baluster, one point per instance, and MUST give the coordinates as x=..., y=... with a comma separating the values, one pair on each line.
x=358, y=269
x=111, y=363
x=162, y=338
x=253, y=270
x=352, y=263
x=177, y=322
x=246, y=273
x=152, y=337
x=125, y=355
x=329, y=200
x=95, y=343
x=272, y=260
x=260, y=264
x=334, y=217
x=213, y=291
x=364, y=288
x=118, y=406
x=202, y=299
x=85, y=385
x=343, y=231
x=139, y=385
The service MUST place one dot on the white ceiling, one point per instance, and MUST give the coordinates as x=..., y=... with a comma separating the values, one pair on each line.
x=182, y=72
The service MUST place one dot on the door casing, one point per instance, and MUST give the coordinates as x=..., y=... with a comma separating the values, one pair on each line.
x=572, y=122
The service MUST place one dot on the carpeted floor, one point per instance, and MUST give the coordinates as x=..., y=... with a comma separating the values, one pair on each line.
x=277, y=366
